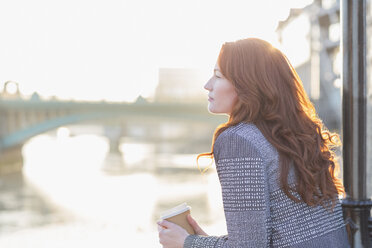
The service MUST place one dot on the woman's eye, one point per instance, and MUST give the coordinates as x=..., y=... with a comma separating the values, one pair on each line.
x=217, y=76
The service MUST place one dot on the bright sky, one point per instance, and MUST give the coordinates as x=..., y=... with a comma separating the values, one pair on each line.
x=112, y=49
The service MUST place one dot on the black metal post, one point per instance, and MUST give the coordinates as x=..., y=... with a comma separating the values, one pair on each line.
x=356, y=205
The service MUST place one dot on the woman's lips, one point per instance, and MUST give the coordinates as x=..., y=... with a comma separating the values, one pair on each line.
x=210, y=99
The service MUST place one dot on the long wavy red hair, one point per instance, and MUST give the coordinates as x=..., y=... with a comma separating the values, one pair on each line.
x=271, y=95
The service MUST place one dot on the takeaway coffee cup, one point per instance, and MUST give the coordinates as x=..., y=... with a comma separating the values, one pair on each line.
x=178, y=215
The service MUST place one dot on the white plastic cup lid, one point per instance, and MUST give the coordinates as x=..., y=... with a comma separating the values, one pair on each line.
x=175, y=211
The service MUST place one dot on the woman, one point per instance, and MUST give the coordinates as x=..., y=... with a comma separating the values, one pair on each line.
x=274, y=158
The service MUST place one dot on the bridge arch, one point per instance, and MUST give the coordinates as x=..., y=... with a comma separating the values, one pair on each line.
x=22, y=135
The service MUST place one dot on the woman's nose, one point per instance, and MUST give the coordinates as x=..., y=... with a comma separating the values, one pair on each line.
x=208, y=85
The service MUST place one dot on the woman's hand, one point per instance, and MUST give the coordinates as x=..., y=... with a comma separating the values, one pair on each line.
x=171, y=235
x=195, y=226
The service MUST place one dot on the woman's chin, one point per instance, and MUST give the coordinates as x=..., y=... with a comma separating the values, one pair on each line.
x=211, y=110
x=214, y=111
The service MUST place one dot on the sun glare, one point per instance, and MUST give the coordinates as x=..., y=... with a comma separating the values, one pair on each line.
x=88, y=50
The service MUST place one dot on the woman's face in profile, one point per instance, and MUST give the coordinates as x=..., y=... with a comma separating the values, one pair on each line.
x=222, y=94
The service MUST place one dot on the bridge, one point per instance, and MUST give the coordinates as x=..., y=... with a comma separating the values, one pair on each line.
x=22, y=119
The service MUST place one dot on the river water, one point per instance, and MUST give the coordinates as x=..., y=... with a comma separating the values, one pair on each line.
x=65, y=197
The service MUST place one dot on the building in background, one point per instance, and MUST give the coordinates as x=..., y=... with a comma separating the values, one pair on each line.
x=321, y=71
x=182, y=85
x=319, y=25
